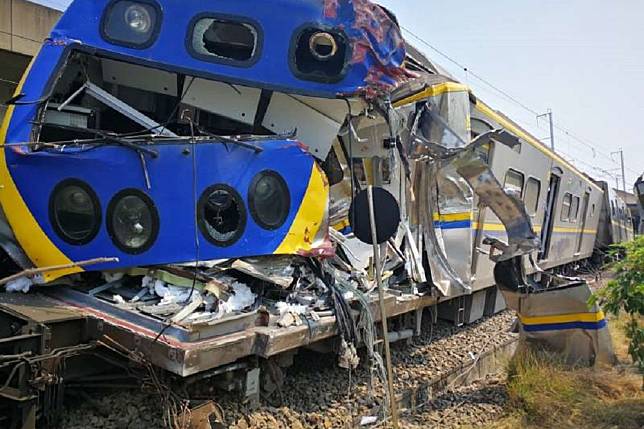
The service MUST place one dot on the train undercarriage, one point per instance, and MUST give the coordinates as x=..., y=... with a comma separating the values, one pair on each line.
x=63, y=340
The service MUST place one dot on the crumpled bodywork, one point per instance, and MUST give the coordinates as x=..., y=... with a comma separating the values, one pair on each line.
x=557, y=319
x=377, y=43
x=448, y=177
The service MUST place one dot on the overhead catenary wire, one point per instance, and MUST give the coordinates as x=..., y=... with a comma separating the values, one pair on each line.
x=571, y=135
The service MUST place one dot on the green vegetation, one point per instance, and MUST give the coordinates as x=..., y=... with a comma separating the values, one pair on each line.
x=625, y=294
x=544, y=393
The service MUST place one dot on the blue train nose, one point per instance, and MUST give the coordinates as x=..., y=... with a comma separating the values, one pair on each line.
x=195, y=201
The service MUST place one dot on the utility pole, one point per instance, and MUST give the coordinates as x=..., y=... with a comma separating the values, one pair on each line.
x=621, y=156
x=552, y=128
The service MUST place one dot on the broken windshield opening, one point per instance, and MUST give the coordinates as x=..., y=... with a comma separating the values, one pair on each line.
x=97, y=97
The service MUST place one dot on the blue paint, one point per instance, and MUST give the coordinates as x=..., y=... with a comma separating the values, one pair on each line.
x=592, y=326
x=457, y=224
x=110, y=169
x=376, y=46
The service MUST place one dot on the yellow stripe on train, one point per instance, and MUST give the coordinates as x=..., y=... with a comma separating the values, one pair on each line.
x=310, y=216
x=563, y=318
x=38, y=247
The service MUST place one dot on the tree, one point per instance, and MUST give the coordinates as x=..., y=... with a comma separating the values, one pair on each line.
x=625, y=293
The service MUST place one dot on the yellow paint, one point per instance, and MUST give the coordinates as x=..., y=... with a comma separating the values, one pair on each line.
x=432, y=91
x=452, y=217
x=341, y=225
x=562, y=318
x=486, y=110
x=536, y=228
x=310, y=216
x=35, y=243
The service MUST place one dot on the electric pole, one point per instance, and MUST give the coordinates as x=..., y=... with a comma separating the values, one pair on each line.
x=621, y=156
x=552, y=128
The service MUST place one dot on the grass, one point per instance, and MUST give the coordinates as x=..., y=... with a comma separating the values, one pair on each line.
x=545, y=393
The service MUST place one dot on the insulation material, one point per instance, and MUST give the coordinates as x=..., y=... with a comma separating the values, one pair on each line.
x=241, y=298
x=21, y=284
x=560, y=321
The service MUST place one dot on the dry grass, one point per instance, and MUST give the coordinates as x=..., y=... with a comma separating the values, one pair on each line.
x=545, y=394
x=617, y=326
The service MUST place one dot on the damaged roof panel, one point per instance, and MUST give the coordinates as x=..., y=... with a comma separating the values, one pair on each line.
x=359, y=37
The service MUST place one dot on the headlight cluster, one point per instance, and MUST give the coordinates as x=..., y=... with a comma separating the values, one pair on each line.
x=133, y=220
x=221, y=215
x=131, y=23
x=75, y=212
x=269, y=200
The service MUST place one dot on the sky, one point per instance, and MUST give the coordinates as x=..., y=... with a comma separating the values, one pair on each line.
x=584, y=59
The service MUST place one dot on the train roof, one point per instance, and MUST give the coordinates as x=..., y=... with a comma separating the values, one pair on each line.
x=437, y=74
x=268, y=39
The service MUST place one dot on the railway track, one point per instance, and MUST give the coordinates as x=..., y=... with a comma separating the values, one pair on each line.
x=317, y=393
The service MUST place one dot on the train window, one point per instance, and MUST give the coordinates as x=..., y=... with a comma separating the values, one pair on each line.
x=483, y=152
x=319, y=55
x=514, y=182
x=333, y=168
x=224, y=39
x=574, y=209
x=531, y=197
x=612, y=207
x=565, y=207
x=359, y=171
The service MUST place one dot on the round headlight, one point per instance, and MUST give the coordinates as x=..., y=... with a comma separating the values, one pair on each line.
x=131, y=23
x=138, y=18
x=75, y=212
x=269, y=200
x=132, y=221
x=221, y=215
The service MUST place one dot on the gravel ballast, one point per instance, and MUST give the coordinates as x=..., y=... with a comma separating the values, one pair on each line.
x=318, y=394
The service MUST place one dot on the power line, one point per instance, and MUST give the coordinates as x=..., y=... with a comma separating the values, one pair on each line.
x=516, y=101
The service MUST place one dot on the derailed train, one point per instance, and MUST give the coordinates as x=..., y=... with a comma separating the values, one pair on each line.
x=177, y=180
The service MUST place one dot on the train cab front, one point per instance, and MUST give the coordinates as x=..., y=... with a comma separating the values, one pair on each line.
x=155, y=132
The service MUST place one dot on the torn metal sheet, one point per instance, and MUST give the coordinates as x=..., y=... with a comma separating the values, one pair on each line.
x=559, y=320
x=277, y=270
x=507, y=207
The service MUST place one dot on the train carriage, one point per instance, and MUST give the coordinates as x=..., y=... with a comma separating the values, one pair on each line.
x=180, y=180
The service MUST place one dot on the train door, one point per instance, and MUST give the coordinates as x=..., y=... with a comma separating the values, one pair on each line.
x=584, y=214
x=549, y=217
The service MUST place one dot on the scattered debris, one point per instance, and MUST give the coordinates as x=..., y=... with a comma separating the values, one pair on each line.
x=368, y=420
x=20, y=284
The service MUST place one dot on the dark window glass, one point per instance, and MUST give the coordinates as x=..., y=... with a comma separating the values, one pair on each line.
x=332, y=168
x=531, y=198
x=224, y=39
x=514, y=182
x=574, y=209
x=565, y=207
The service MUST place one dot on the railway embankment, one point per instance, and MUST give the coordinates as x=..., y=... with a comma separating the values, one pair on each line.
x=316, y=393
